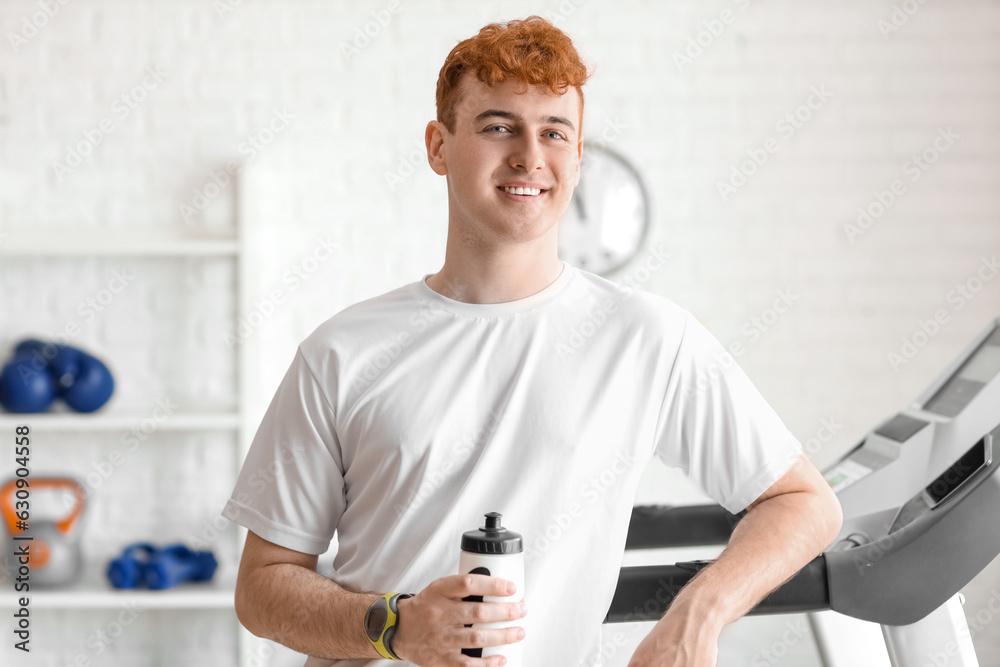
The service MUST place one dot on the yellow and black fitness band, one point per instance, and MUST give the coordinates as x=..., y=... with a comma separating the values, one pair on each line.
x=381, y=620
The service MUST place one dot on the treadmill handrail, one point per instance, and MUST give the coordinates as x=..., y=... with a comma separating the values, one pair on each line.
x=664, y=526
x=903, y=576
x=896, y=580
x=644, y=593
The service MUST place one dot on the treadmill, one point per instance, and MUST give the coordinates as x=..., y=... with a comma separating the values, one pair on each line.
x=921, y=504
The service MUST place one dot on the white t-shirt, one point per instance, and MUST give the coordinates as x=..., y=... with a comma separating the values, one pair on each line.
x=406, y=417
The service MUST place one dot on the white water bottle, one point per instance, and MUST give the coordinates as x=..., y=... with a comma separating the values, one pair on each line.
x=495, y=551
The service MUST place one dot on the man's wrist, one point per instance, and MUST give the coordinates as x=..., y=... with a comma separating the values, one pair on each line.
x=381, y=623
x=369, y=598
x=688, y=623
x=391, y=640
x=703, y=603
x=396, y=644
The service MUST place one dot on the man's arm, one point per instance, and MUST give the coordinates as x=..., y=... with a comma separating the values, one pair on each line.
x=785, y=528
x=280, y=596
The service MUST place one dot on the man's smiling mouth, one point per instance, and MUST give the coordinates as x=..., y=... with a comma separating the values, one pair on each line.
x=530, y=192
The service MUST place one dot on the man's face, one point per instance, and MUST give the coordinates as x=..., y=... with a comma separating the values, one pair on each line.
x=509, y=136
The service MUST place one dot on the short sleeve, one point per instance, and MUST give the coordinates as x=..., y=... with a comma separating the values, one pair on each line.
x=715, y=425
x=290, y=490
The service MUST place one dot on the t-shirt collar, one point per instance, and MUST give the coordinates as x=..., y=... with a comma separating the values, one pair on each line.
x=495, y=309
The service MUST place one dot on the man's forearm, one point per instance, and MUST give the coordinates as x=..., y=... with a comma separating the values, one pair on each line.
x=781, y=532
x=305, y=611
x=769, y=545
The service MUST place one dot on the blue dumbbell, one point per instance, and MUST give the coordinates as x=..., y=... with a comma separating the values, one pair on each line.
x=175, y=564
x=129, y=569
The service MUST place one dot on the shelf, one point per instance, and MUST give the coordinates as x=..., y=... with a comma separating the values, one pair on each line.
x=94, y=592
x=76, y=422
x=109, y=243
x=180, y=248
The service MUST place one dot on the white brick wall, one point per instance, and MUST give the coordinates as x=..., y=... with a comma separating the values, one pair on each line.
x=355, y=120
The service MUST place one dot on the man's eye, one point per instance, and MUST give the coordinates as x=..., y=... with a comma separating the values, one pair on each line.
x=491, y=128
x=558, y=135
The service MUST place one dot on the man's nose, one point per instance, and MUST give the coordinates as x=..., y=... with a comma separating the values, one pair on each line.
x=527, y=154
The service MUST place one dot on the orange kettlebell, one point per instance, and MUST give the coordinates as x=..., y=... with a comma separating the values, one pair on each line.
x=43, y=552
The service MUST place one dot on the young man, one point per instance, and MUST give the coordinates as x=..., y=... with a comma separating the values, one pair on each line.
x=405, y=417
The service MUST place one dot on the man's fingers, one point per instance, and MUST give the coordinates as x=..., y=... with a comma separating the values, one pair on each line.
x=483, y=637
x=464, y=585
x=489, y=612
x=443, y=620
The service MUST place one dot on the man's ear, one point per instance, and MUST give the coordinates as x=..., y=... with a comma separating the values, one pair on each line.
x=434, y=139
x=579, y=164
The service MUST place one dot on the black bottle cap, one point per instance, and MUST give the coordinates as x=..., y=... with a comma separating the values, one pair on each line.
x=492, y=538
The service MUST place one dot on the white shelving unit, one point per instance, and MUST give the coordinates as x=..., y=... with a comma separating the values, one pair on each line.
x=107, y=243
x=93, y=591
x=77, y=423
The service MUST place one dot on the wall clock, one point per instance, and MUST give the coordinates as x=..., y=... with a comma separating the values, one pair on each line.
x=607, y=220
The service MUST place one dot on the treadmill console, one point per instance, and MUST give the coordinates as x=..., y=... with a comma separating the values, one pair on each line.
x=942, y=537
x=978, y=370
x=973, y=461
x=873, y=453
x=958, y=474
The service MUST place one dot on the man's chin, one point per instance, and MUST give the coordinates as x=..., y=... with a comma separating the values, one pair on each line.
x=527, y=228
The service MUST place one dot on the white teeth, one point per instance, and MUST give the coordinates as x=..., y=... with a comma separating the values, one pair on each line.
x=523, y=191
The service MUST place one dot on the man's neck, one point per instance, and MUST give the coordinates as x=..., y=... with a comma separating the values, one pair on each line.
x=497, y=279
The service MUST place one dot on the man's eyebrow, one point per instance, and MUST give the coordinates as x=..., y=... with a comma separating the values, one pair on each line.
x=518, y=118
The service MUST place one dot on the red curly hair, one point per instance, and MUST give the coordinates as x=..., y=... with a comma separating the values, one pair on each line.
x=531, y=50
